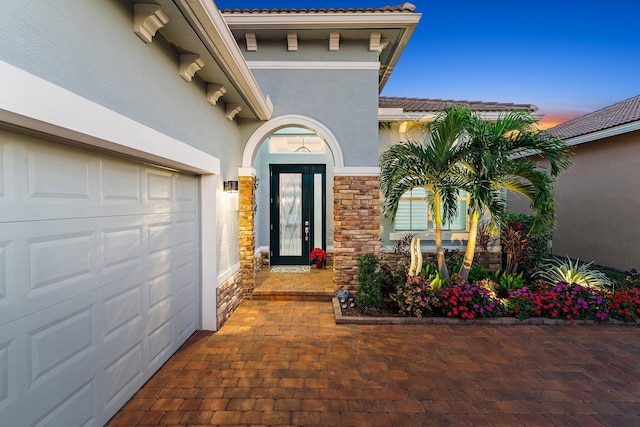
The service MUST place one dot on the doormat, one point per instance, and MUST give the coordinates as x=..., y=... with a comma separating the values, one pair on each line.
x=290, y=269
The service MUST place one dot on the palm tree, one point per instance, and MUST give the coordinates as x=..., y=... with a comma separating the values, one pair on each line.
x=498, y=158
x=433, y=165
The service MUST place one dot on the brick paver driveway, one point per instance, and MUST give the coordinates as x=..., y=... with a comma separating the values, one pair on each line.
x=287, y=363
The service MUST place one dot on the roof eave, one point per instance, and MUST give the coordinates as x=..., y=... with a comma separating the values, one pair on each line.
x=221, y=42
x=399, y=115
x=602, y=134
x=406, y=22
x=321, y=20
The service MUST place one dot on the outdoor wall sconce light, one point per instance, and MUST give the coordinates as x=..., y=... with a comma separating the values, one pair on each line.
x=230, y=186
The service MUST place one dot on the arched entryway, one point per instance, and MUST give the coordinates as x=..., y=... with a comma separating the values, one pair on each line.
x=353, y=201
x=262, y=168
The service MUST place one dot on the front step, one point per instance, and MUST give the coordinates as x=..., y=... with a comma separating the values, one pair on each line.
x=292, y=296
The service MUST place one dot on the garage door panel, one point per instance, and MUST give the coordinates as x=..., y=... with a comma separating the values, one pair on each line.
x=74, y=409
x=121, y=183
x=124, y=309
x=124, y=374
x=160, y=338
x=55, y=173
x=122, y=246
x=6, y=273
x=56, y=260
x=184, y=313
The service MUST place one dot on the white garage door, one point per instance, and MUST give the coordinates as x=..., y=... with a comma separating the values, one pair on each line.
x=98, y=279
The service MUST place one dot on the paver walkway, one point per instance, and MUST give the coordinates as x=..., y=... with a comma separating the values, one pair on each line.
x=288, y=363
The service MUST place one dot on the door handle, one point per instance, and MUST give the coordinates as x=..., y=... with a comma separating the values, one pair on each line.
x=306, y=231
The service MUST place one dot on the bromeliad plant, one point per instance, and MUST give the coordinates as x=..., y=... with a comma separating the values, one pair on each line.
x=570, y=272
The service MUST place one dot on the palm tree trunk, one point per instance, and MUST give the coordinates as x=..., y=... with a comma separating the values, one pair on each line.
x=471, y=246
x=442, y=262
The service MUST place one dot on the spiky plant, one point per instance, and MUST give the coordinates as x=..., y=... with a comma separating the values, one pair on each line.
x=559, y=270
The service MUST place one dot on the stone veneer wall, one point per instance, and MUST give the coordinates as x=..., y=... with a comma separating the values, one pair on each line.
x=489, y=260
x=356, y=216
x=247, y=241
x=229, y=295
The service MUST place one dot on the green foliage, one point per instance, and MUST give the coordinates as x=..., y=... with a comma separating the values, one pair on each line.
x=570, y=272
x=519, y=244
x=454, y=257
x=388, y=280
x=415, y=296
x=505, y=283
x=432, y=273
x=369, y=293
x=478, y=273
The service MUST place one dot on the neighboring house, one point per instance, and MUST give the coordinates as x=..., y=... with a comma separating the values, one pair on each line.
x=405, y=119
x=598, y=198
x=121, y=125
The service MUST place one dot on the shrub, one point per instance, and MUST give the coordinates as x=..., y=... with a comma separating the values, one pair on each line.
x=415, y=297
x=369, y=293
x=631, y=280
x=468, y=300
x=569, y=272
x=388, y=279
x=535, y=250
x=453, y=257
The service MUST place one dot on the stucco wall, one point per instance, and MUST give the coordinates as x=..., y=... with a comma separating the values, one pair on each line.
x=598, y=201
x=89, y=48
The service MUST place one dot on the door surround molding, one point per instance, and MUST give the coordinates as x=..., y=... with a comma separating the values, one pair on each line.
x=291, y=120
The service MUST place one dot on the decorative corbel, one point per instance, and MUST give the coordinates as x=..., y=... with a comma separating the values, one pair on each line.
x=232, y=110
x=252, y=42
x=189, y=65
x=377, y=43
x=147, y=19
x=292, y=42
x=334, y=42
x=214, y=92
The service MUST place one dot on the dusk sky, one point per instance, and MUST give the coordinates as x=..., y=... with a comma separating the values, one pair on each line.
x=568, y=57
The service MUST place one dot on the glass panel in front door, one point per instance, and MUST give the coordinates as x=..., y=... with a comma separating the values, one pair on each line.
x=290, y=220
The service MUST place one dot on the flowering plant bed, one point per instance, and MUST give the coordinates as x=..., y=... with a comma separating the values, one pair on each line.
x=460, y=302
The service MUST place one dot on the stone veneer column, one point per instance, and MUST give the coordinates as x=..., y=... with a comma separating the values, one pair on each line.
x=356, y=216
x=247, y=238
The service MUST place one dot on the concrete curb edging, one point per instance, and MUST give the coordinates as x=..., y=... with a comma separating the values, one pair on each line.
x=504, y=321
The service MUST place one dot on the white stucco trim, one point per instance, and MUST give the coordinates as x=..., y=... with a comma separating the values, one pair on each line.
x=313, y=65
x=260, y=134
x=208, y=312
x=228, y=274
x=356, y=171
x=33, y=103
x=246, y=171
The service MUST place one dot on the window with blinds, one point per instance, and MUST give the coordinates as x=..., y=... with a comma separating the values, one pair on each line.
x=413, y=212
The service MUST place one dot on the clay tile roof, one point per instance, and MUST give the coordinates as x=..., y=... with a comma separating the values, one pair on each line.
x=401, y=8
x=426, y=104
x=617, y=114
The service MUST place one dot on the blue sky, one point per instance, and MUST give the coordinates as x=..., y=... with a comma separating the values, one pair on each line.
x=568, y=57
